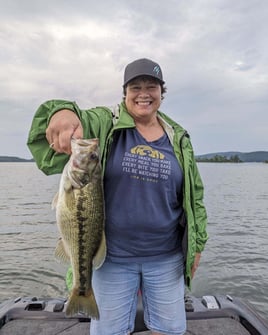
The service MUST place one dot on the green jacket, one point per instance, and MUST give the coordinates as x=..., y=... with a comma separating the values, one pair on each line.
x=99, y=122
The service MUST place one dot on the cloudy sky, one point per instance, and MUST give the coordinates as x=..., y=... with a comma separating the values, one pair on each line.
x=213, y=53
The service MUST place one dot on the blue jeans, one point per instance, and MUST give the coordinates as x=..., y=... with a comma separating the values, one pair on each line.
x=116, y=287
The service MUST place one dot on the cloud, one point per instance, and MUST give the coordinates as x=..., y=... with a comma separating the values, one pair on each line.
x=213, y=55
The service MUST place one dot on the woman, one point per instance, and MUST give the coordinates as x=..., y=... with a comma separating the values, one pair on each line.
x=155, y=217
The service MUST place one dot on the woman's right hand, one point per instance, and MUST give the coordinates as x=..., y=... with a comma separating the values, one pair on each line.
x=63, y=126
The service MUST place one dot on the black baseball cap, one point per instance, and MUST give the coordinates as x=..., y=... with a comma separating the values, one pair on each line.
x=143, y=67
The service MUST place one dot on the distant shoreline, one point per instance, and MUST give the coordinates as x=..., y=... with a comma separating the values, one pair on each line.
x=217, y=157
x=234, y=157
x=10, y=159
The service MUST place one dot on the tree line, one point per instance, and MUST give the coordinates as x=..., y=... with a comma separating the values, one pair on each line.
x=220, y=159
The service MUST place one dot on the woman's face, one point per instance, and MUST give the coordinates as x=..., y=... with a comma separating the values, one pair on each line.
x=143, y=98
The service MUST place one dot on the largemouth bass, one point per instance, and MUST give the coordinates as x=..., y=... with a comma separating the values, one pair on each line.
x=80, y=219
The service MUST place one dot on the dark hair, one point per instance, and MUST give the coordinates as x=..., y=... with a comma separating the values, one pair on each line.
x=146, y=78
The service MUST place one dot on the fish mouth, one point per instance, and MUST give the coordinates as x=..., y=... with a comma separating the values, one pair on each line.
x=84, y=142
x=83, y=161
x=78, y=178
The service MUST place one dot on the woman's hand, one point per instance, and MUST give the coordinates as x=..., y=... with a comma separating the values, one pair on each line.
x=196, y=263
x=63, y=125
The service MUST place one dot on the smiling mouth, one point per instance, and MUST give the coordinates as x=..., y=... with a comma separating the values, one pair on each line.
x=143, y=103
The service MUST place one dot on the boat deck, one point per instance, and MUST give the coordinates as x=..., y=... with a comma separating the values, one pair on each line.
x=209, y=315
x=42, y=327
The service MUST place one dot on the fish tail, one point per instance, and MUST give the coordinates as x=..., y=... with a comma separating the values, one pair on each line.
x=85, y=303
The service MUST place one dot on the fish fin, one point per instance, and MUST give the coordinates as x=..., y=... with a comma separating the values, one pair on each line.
x=69, y=279
x=55, y=201
x=82, y=303
x=100, y=255
x=60, y=252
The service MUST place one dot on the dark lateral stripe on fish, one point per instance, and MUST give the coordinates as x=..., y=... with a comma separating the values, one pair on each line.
x=82, y=293
x=81, y=233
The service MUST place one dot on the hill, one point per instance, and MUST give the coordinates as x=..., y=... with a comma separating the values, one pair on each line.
x=13, y=159
x=255, y=156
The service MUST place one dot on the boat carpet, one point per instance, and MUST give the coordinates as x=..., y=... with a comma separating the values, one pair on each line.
x=218, y=326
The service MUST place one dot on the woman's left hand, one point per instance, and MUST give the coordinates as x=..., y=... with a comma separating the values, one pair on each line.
x=196, y=263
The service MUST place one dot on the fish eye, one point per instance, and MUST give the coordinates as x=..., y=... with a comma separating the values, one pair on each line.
x=93, y=156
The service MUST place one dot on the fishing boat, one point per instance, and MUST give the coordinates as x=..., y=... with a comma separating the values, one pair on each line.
x=206, y=315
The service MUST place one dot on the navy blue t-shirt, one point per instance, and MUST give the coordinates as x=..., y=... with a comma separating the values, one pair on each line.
x=143, y=198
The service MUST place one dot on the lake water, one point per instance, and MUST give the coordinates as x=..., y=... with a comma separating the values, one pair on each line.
x=235, y=260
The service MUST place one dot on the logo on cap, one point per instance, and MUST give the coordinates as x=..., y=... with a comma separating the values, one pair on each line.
x=156, y=69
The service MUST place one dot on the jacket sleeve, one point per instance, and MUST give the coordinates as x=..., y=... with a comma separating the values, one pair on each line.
x=199, y=210
x=45, y=157
x=196, y=213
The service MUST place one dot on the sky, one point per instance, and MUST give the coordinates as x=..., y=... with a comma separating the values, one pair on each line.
x=213, y=54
